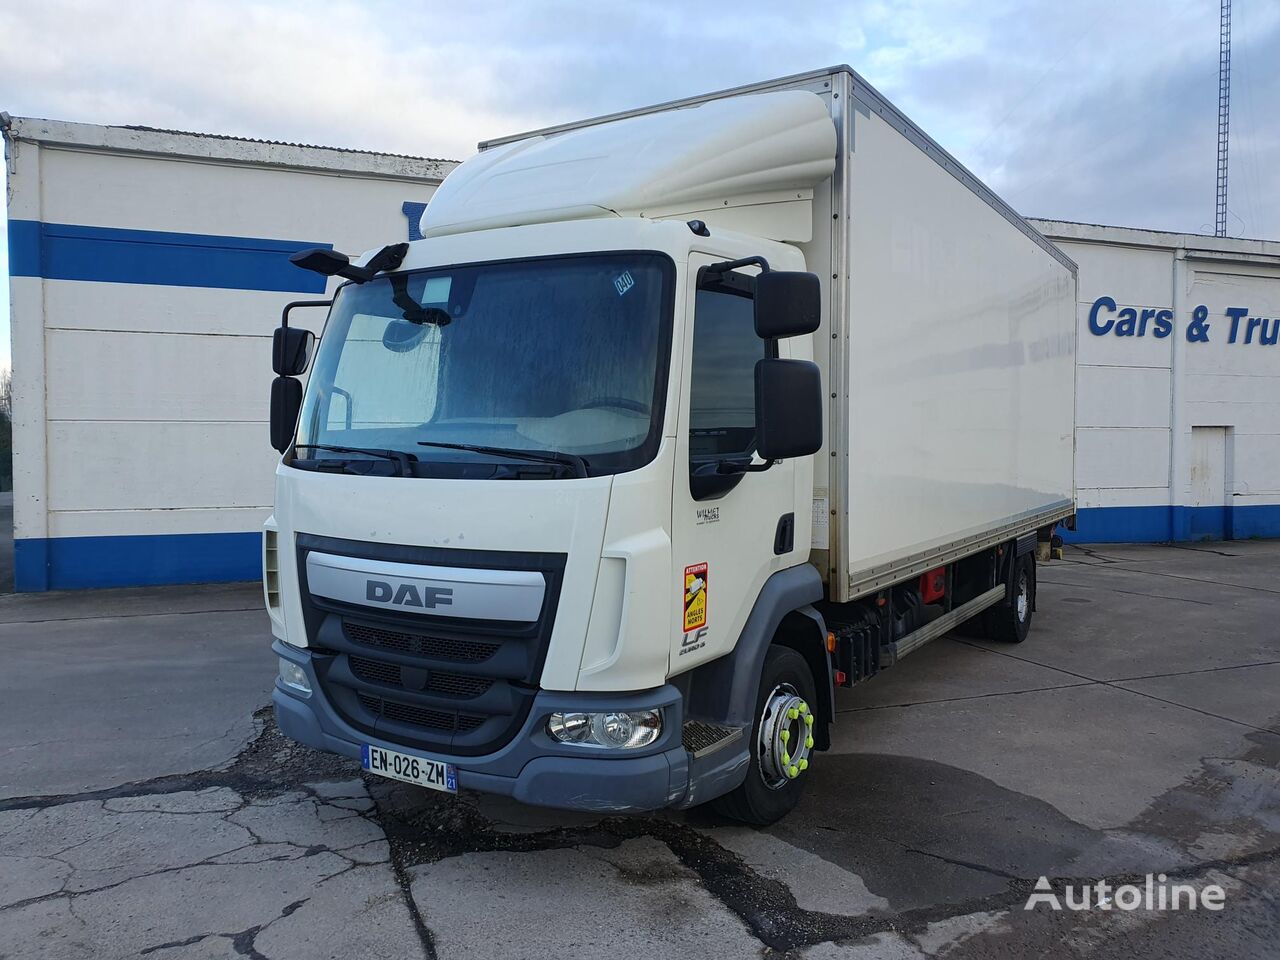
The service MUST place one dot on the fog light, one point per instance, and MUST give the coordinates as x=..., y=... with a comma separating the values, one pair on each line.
x=614, y=729
x=293, y=676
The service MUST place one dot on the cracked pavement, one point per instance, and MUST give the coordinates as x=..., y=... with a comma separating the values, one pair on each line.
x=150, y=808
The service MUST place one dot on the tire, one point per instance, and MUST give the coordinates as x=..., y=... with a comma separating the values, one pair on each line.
x=1012, y=623
x=768, y=793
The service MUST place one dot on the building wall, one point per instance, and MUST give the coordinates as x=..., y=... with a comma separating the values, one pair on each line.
x=148, y=271
x=1178, y=424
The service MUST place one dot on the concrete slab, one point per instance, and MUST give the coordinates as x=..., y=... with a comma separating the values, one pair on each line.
x=206, y=873
x=130, y=602
x=92, y=704
x=103, y=848
x=1244, y=563
x=948, y=669
x=816, y=883
x=1102, y=622
x=307, y=822
x=1050, y=745
x=360, y=913
x=882, y=946
x=1250, y=695
x=634, y=901
x=919, y=833
x=1247, y=926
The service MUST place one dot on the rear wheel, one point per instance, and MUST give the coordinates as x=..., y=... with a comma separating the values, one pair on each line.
x=781, y=742
x=1012, y=623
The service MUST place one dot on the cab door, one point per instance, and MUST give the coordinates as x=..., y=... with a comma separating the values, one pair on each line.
x=725, y=527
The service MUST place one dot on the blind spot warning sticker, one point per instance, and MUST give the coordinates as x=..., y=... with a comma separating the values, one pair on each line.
x=695, y=597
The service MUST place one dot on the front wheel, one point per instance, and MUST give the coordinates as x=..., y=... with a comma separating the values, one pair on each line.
x=781, y=742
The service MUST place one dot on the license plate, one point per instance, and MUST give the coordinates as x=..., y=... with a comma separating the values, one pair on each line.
x=433, y=774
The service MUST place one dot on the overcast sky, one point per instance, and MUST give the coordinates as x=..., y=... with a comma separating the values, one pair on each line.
x=1095, y=110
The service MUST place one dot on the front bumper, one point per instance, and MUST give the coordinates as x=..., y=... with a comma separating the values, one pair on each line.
x=532, y=767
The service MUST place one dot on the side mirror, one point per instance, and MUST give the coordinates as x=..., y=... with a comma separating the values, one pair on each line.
x=291, y=350
x=788, y=408
x=286, y=402
x=788, y=304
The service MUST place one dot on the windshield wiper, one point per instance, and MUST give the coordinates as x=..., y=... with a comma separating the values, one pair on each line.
x=578, y=464
x=398, y=456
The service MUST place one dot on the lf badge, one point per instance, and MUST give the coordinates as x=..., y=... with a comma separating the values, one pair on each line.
x=693, y=641
x=695, y=597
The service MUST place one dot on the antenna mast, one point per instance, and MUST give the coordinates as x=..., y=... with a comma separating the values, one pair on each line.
x=1224, y=115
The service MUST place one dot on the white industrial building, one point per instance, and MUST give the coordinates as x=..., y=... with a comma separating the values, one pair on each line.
x=148, y=270
x=1177, y=384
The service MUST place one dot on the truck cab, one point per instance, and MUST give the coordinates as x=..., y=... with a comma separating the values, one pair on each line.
x=525, y=495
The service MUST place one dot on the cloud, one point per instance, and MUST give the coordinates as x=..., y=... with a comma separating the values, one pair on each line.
x=1104, y=112
x=422, y=78
x=1094, y=110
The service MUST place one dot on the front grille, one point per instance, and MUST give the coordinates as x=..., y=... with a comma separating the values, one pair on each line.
x=375, y=671
x=419, y=716
x=438, y=681
x=457, y=685
x=438, y=648
x=428, y=680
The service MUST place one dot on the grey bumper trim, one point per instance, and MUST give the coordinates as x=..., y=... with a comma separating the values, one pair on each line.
x=532, y=768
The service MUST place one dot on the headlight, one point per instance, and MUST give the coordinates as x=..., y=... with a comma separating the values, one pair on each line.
x=293, y=676
x=615, y=729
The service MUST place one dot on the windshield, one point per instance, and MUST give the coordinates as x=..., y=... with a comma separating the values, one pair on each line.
x=561, y=356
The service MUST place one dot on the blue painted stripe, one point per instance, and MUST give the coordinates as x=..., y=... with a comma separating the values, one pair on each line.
x=1256, y=520
x=73, y=563
x=1164, y=524
x=30, y=565
x=413, y=210
x=1120, y=525
x=63, y=251
x=24, y=248
x=1207, y=523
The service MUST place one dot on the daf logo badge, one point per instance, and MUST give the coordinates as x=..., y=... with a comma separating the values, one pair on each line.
x=408, y=595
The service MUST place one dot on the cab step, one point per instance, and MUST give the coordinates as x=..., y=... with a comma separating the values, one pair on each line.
x=701, y=737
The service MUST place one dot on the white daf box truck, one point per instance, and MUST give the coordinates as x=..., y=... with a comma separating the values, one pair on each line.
x=674, y=422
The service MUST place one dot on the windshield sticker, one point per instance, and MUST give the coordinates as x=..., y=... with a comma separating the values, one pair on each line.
x=695, y=597
x=436, y=290
x=623, y=282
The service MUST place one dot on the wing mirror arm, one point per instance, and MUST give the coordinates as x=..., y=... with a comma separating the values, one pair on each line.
x=332, y=263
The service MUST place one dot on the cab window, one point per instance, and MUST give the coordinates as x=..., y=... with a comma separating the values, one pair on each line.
x=722, y=385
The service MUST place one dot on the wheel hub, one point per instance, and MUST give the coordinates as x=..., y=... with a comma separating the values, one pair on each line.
x=786, y=736
x=1022, y=603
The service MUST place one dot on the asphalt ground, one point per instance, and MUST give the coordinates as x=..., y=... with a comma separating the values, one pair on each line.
x=148, y=807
